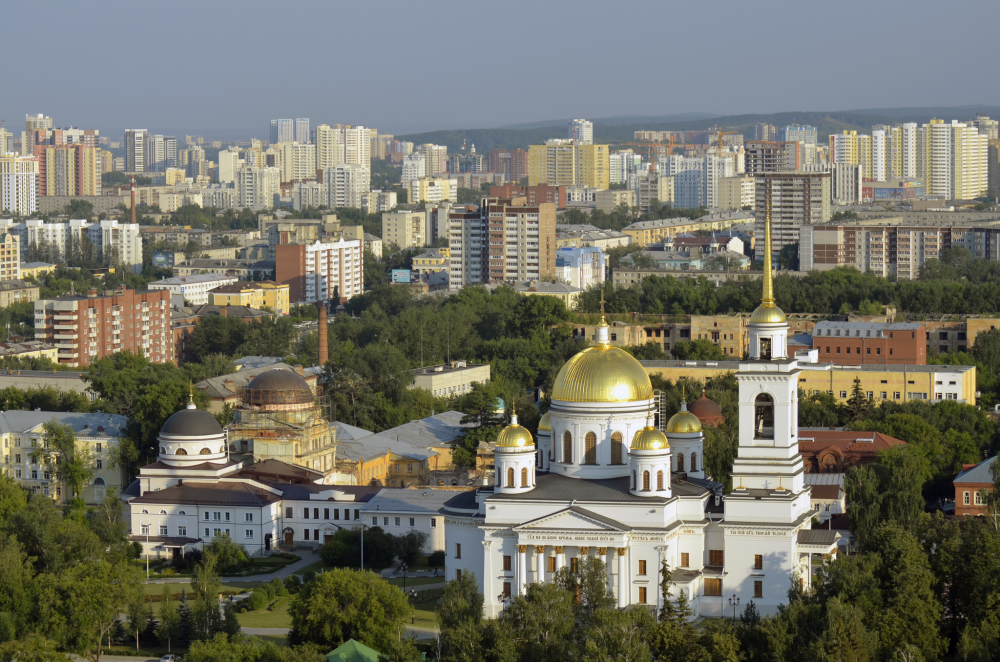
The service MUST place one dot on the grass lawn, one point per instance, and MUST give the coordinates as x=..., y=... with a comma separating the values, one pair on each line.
x=315, y=566
x=262, y=618
x=416, y=581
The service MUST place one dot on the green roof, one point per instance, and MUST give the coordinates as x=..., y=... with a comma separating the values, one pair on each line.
x=352, y=651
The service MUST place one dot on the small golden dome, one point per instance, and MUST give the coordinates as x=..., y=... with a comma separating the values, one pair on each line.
x=767, y=314
x=649, y=439
x=602, y=374
x=545, y=422
x=514, y=436
x=683, y=421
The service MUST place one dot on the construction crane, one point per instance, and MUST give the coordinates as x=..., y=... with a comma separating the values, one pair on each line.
x=719, y=134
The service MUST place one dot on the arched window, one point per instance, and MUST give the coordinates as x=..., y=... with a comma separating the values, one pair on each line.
x=181, y=451
x=99, y=482
x=222, y=449
x=616, y=448
x=694, y=462
x=659, y=480
x=590, y=448
x=163, y=451
x=567, y=447
x=763, y=417
x=524, y=477
x=162, y=511
x=205, y=451
x=510, y=477
x=680, y=462
x=645, y=481
x=144, y=512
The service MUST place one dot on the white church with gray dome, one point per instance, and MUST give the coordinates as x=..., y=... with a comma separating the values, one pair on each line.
x=601, y=481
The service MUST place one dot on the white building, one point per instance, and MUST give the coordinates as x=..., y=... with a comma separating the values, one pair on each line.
x=255, y=187
x=955, y=160
x=581, y=267
x=229, y=163
x=298, y=162
x=603, y=482
x=357, y=145
x=112, y=238
x=414, y=167
x=302, y=134
x=282, y=131
x=18, y=183
x=696, y=178
x=880, y=155
x=194, y=289
x=308, y=194
x=347, y=185
x=623, y=164
x=581, y=131
x=399, y=511
x=329, y=148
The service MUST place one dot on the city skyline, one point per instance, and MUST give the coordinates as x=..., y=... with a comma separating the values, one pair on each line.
x=356, y=94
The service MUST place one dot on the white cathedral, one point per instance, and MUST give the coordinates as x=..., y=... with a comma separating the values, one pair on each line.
x=603, y=482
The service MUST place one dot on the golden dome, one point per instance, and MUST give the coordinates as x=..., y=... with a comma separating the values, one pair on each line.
x=767, y=314
x=545, y=422
x=683, y=421
x=514, y=436
x=649, y=439
x=602, y=374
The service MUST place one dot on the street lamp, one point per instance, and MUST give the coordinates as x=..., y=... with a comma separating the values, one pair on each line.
x=402, y=566
x=734, y=602
x=413, y=613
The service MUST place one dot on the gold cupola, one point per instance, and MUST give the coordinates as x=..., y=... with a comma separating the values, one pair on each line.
x=767, y=312
x=602, y=373
x=683, y=421
x=545, y=422
x=514, y=436
x=649, y=438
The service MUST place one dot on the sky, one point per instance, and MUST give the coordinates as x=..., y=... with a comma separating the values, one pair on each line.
x=224, y=69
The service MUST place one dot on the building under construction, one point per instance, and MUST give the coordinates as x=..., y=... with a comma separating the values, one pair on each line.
x=279, y=418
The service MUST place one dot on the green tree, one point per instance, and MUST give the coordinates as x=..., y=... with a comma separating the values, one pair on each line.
x=228, y=555
x=698, y=350
x=409, y=546
x=543, y=621
x=168, y=629
x=345, y=604
x=33, y=648
x=858, y=405
x=16, y=589
x=140, y=618
x=206, y=617
x=460, y=617
x=619, y=636
x=60, y=454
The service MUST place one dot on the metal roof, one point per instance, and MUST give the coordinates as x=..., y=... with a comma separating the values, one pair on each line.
x=981, y=473
x=84, y=425
x=409, y=500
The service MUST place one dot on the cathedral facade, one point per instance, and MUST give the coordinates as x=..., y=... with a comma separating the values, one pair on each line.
x=602, y=481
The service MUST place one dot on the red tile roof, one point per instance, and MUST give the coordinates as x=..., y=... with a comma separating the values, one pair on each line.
x=826, y=491
x=845, y=442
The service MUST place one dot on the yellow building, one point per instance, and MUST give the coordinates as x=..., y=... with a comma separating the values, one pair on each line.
x=736, y=192
x=434, y=189
x=258, y=294
x=565, y=163
x=175, y=176
x=10, y=256
x=36, y=269
x=646, y=232
x=432, y=261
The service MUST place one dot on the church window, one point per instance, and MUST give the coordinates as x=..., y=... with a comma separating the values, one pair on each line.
x=645, y=481
x=182, y=531
x=694, y=462
x=574, y=565
x=510, y=477
x=758, y=561
x=144, y=512
x=659, y=480
x=642, y=595
x=590, y=448
x=616, y=448
x=205, y=451
x=567, y=447
x=713, y=586
x=506, y=563
x=685, y=559
x=716, y=557
x=163, y=451
x=181, y=451
x=506, y=590
x=763, y=417
x=524, y=477
x=163, y=529
x=288, y=513
x=552, y=564
x=458, y=550
x=642, y=567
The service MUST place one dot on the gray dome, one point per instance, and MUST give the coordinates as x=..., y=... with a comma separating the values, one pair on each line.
x=192, y=423
x=291, y=385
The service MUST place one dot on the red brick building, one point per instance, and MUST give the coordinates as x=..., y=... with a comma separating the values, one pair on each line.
x=969, y=487
x=836, y=451
x=536, y=195
x=511, y=163
x=88, y=327
x=865, y=343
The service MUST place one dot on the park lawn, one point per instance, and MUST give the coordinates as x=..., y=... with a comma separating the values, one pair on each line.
x=416, y=581
x=262, y=618
x=315, y=566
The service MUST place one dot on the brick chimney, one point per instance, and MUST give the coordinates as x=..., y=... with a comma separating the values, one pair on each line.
x=224, y=311
x=323, y=339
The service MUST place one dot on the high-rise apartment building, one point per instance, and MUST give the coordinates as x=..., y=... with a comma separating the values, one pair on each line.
x=135, y=145
x=955, y=160
x=302, y=134
x=229, y=163
x=68, y=170
x=406, y=229
x=504, y=241
x=736, y=192
x=435, y=158
x=414, y=167
x=511, y=163
x=993, y=167
x=329, y=147
x=581, y=131
x=298, y=161
x=321, y=271
x=791, y=199
x=347, y=185
x=433, y=189
x=880, y=156
x=85, y=328
x=623, y=164
x=18, y=184
x=566, y=163
x=33, y=123
x=282, y=131
x=117, y=241
x=255, y=187
x=986, y=126
x=357, y=145
x=767, y=132
x=10, y=256
x=159, y=152
x=760, y=156
x=798, y=133
x=696, y=178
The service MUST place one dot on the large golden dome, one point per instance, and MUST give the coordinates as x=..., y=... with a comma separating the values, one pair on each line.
x=602, y=374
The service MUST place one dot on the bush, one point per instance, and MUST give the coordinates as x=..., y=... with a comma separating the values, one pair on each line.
x=136, y=550
x=278, y=587
x=257, y=600
x=293, y=584
x=436, y=559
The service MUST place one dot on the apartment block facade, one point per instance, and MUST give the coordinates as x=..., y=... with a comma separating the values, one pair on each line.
x=871, y=343
x=73, y=170
x=405, y=229
x=511, y=163
x=760, y=156
x=533, y=194
x=321, y=271
x=568, y=163
x=89, y=327
x=18, y=184
x=736, y=192
x=796, y=199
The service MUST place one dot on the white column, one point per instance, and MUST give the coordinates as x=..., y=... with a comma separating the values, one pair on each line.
x=560, y=559
x=522, y=569
x=623, y=580
x=539, y=564
x=603, y=553
x=488, y=578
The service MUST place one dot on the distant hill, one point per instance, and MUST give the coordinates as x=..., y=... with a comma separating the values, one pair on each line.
x=623, y=128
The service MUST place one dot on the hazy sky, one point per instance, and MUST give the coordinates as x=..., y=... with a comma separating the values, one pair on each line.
x=225, y=68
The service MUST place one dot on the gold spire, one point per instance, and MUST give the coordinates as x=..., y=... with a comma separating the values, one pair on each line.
x=603, y=336
x=190, y=404
x=767, y=297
